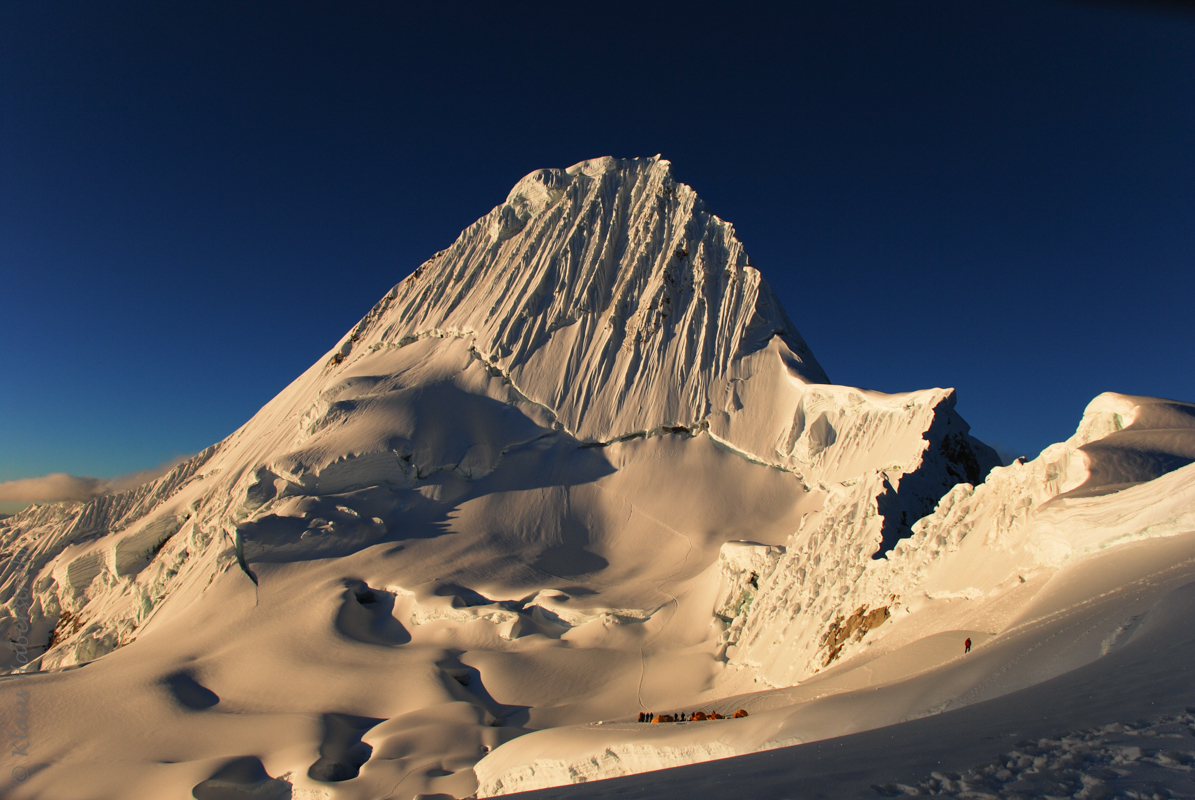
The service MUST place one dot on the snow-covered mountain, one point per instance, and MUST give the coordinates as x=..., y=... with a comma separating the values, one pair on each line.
x=578, y=466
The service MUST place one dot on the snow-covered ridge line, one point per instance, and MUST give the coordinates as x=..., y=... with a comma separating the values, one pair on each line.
x=692, y=428
x=1024, y=520
x=609, y=294
x=752, y=457
x=493, y=364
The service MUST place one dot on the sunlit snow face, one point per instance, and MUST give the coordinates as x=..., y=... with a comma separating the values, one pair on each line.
x=530, y=197
x=581, y=474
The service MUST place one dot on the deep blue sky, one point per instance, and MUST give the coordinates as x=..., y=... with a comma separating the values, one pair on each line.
x=198, y=199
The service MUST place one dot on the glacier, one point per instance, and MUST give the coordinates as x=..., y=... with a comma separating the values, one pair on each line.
x=578, y=466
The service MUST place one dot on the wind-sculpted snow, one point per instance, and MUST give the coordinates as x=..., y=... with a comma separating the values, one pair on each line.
x=980, y=541
x=579, y=466
x=607, y=291
x=1148, y=438
x=1131, y=760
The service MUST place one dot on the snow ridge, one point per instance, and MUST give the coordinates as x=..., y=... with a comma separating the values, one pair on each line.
x=607, y=291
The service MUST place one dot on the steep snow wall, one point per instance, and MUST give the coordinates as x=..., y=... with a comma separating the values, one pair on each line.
x=606, y=291
x=979, y=540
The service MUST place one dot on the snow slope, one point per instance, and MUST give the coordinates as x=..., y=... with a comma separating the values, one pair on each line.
x=1120, y=725
x=1042, y=581
x=578, y=466
x=606, y=292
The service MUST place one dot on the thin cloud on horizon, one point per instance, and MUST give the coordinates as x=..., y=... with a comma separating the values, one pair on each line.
x=61, y=486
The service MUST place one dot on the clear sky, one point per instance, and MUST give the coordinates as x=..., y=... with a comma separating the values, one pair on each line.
x=197, y=199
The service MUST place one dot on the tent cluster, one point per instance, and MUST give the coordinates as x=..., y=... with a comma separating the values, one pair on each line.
x=696, y=716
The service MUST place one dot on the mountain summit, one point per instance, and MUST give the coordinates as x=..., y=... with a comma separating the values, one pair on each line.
x=607, y=292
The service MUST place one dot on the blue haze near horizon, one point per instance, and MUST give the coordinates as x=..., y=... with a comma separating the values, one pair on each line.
x=198, y=200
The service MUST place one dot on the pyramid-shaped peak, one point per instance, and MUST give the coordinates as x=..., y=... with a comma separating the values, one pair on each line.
x=606, y=291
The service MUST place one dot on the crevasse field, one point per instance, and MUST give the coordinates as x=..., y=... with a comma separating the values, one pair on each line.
x=579, y=467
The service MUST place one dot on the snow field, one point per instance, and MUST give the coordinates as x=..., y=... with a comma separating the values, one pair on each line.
x=578, y=466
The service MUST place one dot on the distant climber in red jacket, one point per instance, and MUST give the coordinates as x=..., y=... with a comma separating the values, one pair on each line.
x=967, y=645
